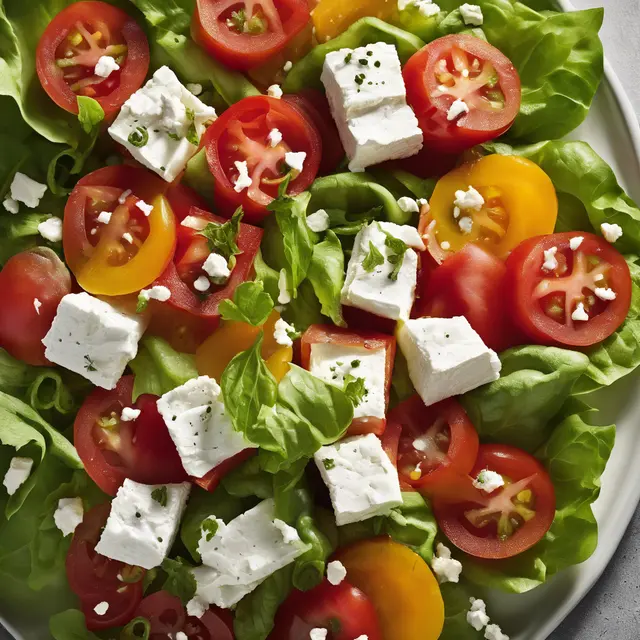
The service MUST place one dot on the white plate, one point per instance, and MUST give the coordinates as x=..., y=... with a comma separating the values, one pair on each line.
x=612, y=130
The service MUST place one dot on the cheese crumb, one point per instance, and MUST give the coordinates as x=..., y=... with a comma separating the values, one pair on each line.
x=472, y=14
x=105, y=66
x=336, y=572
x=158, y=292
x=194, y=88
x=408, y=205
x=469, y=199
x=24, y=189
x=51, y=229
x=274, y=137
x=36, y=305
x=465, y=224
x=122, y=198
x=202, y=284
x=488, y=481
x=288, y=65
x=493, y=632
x=604, y=293
x=445, y=246
x=68, y=515
x=274, y=91
x=11, y=205
x=144, y=207
x=318, y=634
x=181, y=635
x=580, y=315
x=574, y=243
x=611, y=232
x=426, y=7
x=196, y=607
x=444, y=566
x=457, y=108
x=104, y=217
x=194, y=222
x=295, y=160
x=282, y=331
x=477, y=616
x=217, y=268
x=243, y=181
x=550, y=261
x=318, y=221
x=129, y=414
x=127, y=237
x=289, y=533
x=284, y=297
x=17, y=473
x=101, y=608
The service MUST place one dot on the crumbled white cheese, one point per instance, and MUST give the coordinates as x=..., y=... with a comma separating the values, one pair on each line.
x=274, y=91
x=318, y=221
x=24, y=189
x=469, y=199
x=472, y=15
x=194, y=222
x=295, y=160
x=181, y=635
x=243, y=181
x=574, y=243
x=157, y=292
x=217, y=268
x=477, y=615
x=288, y=65
x=550, y=261
x=445, y=246
x=144, y=207
x=493, y=632
x=318, y=634
x=444, y=566
x=101, y=608
x=11, y=205
x=274, y=137
x=51, y=229
x=580, y=315
x=202, y=284
x=17, y=473
x=129, y=414
x=122, y=198
x=458, y=107
x=194, y=88
x=36, y=305
x=105, y=66
x=598, y=277
x=466, y=224
x=284, y=297
x=408, y=205
x=104, y=217
x=196, y=607
x=127, y=237
x=282, y=333
x=427, y=8
x=488, y=481
x=606, y=294
x=68, y=515
x=289, y=534
x=611, y=232
x=336, y=572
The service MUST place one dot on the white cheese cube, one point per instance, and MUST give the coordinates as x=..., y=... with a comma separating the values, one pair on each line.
x=165, y=121
x=143, y=523
x=51, y=229
x=374, y=291
x=199, y=426
x=332, y=362
x=68, y=515
x=24, y=189
x=244, y=552
x=367, y=96
x=446, y=357
x=362, y=481
x=93, y=338
x=17, y=473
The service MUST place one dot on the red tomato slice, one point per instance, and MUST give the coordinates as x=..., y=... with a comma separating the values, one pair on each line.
x=71, y=46
x=211, y=480
x=471, y=283
x=245, y=33
x=94, y=578
x=32, y=283
x=317, y=334
x=241, y=134
x=343, y=610
x=314, y=106
x=113, y=450
x=462, y=67
x=128, y=251
x=511, y=519
x=434, y=444
x=167, y=617
x=191, y=251
x=545, y=301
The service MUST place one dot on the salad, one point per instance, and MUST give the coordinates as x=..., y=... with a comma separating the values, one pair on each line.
x=302, y=304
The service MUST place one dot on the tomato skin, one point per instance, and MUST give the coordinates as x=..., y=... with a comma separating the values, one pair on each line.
x=244, y=51
x=211, y=480
x=259, y=115
x=516, y=465
x=94, y=578
x=316, y=334
x=524, y=275
x=144, y=450
x=432, y=108
x=471, y=283
x=321, y=608
x=35, y=273
x=133, y=71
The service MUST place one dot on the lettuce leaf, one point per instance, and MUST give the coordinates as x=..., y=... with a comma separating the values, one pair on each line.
x=456, y=605
x=250, y=304
x=70, y=625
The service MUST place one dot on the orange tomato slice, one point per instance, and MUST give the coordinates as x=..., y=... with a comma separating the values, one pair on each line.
x=332, y=17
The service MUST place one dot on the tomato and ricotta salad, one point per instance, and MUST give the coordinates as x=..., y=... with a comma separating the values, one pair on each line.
x=301, y=304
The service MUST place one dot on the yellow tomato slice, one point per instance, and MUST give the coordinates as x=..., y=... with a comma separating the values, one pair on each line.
x=400, y=585
x=332, y=17
x=520, y=202
x=98, y=276
x=215, y=353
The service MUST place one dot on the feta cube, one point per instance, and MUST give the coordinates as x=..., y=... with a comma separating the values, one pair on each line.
x=374, y=291
x=199, y=426
x=446, y=357
x=336, y=572
x=161, y=124
x=472, y=15
x=68, y=515
x=24, y=189
x=332, y=362
x=362, y=481
x=17, y=474
x=142, y=525
x=93, y=338
x=367, y=96
x=242, y=553
x=51, y=229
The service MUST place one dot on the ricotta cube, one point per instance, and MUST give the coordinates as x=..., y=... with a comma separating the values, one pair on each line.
x=143, y=523
x=367, y=96
x=374, y=291
x=242, y=553
x=362, y=481
x=199, y=426
x=446, y=357
x=332, y=362
x=161, y=124
x=93, y=338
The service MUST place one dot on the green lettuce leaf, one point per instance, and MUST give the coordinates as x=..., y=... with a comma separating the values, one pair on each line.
x=306, y=73
x=533, y=385
x=70, y=625
x=180, y=580
x=305, y=309
x=456, y=605
x=250, y=304
x=159, y=368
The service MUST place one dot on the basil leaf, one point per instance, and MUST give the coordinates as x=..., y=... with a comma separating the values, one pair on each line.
x=250, y=304
x=223, y=237
x=373, y=259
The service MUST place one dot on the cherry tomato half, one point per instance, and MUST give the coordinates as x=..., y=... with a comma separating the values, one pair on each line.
x=71, y=46
x=113, y=449
x=32, y=283
x=466, y=68
x=568, y=297
x=244, y=33
x=128, y=249
x=512, y=518
x=366, y=340
x=241, y=134
x=95, y=578
x=344, y=611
